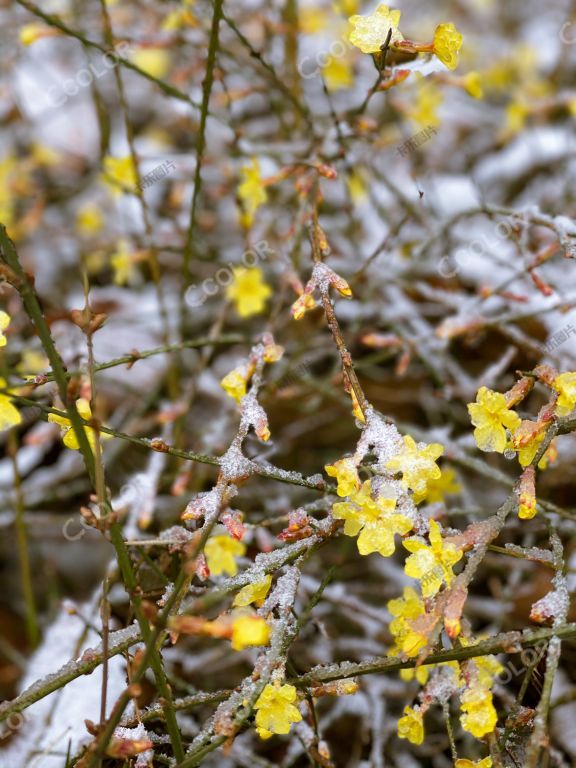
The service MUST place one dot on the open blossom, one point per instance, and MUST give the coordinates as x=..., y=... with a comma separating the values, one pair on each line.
x=491, y=416
x=417, y=464
x=464, y=763
x=122, y=262
x=251, y=191
x=565, y=385
x=346, y=474
x=276, y=710
x=248, y=631
x=406, y=610
x=254, y=593
x=248, y=291
x=432, y=565
x=120, y=174
x=220, y=552
x=69, y=436
x=370, y=32
x=236, y=382
x=9, y=414
x=446, y=485
x=411, y=725
x=478, y=714
x=447, y=43
x=4, y=323
x=375, y=521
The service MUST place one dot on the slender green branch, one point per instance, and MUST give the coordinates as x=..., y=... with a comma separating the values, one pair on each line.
x=509, y=642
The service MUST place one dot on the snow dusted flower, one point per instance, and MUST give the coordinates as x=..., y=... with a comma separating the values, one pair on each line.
x=303, y=304
x=417, y=464
x=275, y=710
x=447, y=43
x=478, y=714
x=565, y=385
x=491, y=416
x=432, y=565
x=411, y=725
x=375, y=521
x=253, y=593
x=346, y=474
x=406, y=610
x=371, y=32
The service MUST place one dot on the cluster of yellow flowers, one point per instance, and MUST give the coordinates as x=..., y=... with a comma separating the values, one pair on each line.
x=371, y=32
x=499, y=428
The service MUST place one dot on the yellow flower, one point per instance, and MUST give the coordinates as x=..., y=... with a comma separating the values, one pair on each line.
x=411, y=726
x=376, y=521
x=44, y=155
x=527, y=494
x=370, y=32
x=32, y=362
x=346, y=7
x=153, y=61
x=235, y=382
x=122, y=264
x=528, y=448
x=248, y=631
x=418, y=465
x=70, y=439
x=303, y=304
x=445, y=485
x=30, y=33
x=346, y=474
x=248, y=291
x=220, y=552
x=425, y=110
x=491, y=417
x=565, y=385
x=516, y=114
x=4, y=323
x=9, y=415
x=337, y=73
x=312, y=20
x=420, y=674
x=431, y=564
x=447, y=43
x=406, y=610
x=119, y=174
x=473, y=85
x=251, y=192
x=478, y=714
x=253, y=593
x=356, y=185
x=8, y=181
x=179, y=18
x=275, y=710
x=89, y=220
x=463, y=763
